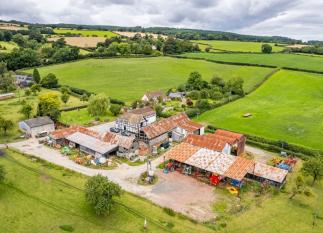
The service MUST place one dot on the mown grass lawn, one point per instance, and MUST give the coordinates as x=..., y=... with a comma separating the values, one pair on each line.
x=129, y=78
x=237, y=46
x=85, y=32
x=9, y=109
x=277, y=59
x=286, y=107
x=7, y=47
x=32, y=200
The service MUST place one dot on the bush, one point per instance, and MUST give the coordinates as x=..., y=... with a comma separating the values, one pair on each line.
x=192, y=112
x=67, y=228
x=116, y=101
x=49, y=81
x=169, y=211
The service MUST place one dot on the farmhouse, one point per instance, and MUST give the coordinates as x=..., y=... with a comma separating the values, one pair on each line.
x=36, y=126
x=154, y=96
x=134, y=120
x=176, y=127
x=206, y=158
x=93, y=143
x=24, y=80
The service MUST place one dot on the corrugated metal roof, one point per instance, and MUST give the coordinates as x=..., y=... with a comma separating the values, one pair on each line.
x=221, y=164
x=205, y=141
x=123, y=141
x=269, y=172
x=228, y=134
x=181, y=152
x=63, y=133
x=240, y=168
x=202, y=158
x=39, y=121
x=91, y=143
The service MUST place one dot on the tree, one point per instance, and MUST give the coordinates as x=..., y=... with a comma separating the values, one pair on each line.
x=100, y=193
x=19, y=40
x=60, y=43
x=35, y=88
x=5, y=125
x=217, y=81
x=169, y=45
x=65, y=97
x=235, y=86
x=49, y=105
x=22, y=58
x=203, y=105
x=115, y=109
x=49, y=81
x=3, y=68
x=36, y=76
x=65, y=90
x=26, y=110
x=27, y=92
x=313, y=167
x=98, y=105
x=7, y=82
x=195, y=82
x=266, y=48
x=2, y=173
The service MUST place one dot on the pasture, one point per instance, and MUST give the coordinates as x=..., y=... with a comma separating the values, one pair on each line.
x=35, y=199
x=277, y=59
x=81, y=42
x=84, y=32
x=9, y=109
x=129, y=78
x=237, y=46
x=7, y=47
x=286, y=107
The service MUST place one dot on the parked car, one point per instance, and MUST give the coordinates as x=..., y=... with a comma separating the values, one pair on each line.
x=114, y=130
x=41, y=134
x=125, y=133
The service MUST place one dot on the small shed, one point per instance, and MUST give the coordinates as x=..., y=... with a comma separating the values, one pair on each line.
x=35, y=126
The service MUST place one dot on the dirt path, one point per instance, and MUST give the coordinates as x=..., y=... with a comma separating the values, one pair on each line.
x=259, y=154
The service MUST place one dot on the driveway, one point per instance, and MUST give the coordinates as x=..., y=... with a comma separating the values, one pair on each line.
x=181, y=193
x=102, y=128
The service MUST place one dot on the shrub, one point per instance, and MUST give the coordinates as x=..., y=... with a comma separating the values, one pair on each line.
x=169, y=211
x=193, y=112
x=49, y=81
x=67, y=228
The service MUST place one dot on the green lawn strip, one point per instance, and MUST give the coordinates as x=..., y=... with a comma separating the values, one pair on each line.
x=54, y=196
x=284, y=108
x=7, y=47
x=294, y=61
x=129, y=78
x=237, y=46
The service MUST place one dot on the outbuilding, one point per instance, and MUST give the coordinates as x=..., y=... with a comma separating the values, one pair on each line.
x=36, y=126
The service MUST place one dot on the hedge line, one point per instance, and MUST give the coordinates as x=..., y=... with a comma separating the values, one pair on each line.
x=263, y=81
x=276, y=145
x=73, y=108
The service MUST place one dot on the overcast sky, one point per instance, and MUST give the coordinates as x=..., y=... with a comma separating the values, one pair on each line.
x=300, y=19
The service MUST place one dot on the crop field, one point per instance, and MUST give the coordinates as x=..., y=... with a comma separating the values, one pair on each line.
x=128, y=79
x=34, y=199
x=85, y=32
x=7, y=47
x=278, y=59
x=237, y=46
x=9, y=110
x=286, y=107
x=81, y=42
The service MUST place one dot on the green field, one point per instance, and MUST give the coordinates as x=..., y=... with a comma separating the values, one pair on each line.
x=84, y=32
x=236, y=46
x=128, y=79
x=280, y=60
x=8, y=45
x=33, y=200
x=287, y=107
x=9, y=110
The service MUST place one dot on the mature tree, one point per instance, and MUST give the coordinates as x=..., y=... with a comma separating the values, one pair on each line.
x=3, y=68
x=34, y=34
x=195, y=82
x=60, y=43
x=113, y=50
x=49, y=105
x=19, y=39
x=7, y=82
x=98, y=105
x=124, y=48
x=26, y=110
x=35, y=88
x=49, y=81
x=313, y=167
x=100, y=193
x=170, y=46
x=203, y=105
x=22, y=58
x=36, y=76
x=66, y=54
x=115, y=109
x=204, y=94
x=266, y=48
x=5, y=125
x=2, y=173
x=84, y=97
x=235, y=86
x=217, y=81
x=65, y=97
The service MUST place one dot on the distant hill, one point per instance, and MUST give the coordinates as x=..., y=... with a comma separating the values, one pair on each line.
x=182, y=33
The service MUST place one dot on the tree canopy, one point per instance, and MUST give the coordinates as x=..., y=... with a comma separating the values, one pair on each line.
x=49, y=105
x=98, y=105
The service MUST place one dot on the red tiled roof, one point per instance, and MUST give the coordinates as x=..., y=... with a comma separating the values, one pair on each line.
x=205, y=141
x=222, y=138
x=142, y=111
x=123, y=141
x=181, y=152
x=62, y=133
x=240, y=168
x=229, y=134
x=166, y=125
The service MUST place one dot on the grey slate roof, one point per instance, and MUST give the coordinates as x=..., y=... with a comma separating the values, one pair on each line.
x=39, y=121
